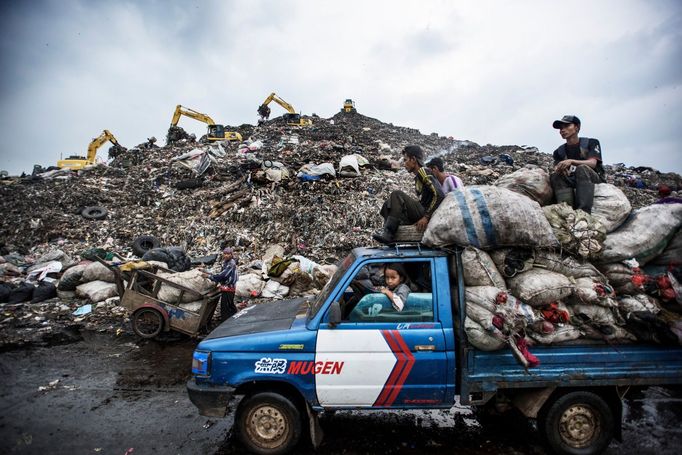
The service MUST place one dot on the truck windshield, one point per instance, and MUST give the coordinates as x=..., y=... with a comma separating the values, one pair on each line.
x=322, y=297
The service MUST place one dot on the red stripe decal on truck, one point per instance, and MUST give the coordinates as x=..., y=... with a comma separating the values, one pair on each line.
x=400, y=371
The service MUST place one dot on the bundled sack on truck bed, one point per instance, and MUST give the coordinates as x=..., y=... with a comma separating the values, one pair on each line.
x=538, y=287
x=644, y=235
x=578, y=232
x=531, y=181
x=488, y=217
x=611, y=207
x=672, y=255
x=565, y=265
x=480, y=270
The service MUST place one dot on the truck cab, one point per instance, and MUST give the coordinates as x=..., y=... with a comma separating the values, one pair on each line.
x=350, y=347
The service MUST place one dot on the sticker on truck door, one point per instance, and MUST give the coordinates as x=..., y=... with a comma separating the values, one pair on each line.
x=376, y=364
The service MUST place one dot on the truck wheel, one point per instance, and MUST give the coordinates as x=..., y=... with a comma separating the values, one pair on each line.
x=578, y=423
x=268, y=423
x=147, y=322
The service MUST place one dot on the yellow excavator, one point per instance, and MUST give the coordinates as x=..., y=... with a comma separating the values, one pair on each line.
x=216, y=132
x=349, y=106
x=79, y=162
x=292, y=117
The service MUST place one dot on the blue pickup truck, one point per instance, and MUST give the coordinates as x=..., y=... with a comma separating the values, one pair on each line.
x=282, y=363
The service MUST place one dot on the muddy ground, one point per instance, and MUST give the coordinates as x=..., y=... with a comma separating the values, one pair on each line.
x=120, y=395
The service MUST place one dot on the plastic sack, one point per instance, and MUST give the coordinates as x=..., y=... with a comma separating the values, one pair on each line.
x=539, y=287
x=488, y=217
x=531, y=181
x=568, y=266
x=482, y=339
x=96, y=291
x=97, y=271
x=274, y=290
x=249, y=285
x=192, y=279
x=644, y=235
x=480, y=270
x=611, y=207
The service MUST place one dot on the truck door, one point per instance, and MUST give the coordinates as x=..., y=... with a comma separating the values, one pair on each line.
x=379, y=356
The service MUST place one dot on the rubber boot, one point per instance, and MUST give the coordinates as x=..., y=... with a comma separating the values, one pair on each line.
x=584, y=196
x=387, y=234
x=564, y=195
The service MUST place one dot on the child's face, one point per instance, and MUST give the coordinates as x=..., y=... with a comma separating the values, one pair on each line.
x=392, y=278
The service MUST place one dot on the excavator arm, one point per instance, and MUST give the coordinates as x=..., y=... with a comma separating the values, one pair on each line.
x=216, y=132
x=191, y=113
x=292, y=117
x=76, y=163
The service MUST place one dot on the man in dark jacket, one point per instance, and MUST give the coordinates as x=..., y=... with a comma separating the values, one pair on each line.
x=400, y=208
x=578, y=166
x=227, y=282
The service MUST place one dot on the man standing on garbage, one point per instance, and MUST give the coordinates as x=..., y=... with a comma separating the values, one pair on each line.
x=227, y=282
x=448, y=182
x=578, y=166
x=400, y=208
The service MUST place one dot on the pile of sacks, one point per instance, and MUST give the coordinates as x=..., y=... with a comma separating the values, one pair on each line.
x=277, y=276
x=545, y=275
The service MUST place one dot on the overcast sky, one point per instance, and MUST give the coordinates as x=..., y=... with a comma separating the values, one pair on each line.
x=495, y=72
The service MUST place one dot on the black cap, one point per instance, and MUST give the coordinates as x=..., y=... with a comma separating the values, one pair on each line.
x=566, y=119
x=416, y=152
x=436, y=162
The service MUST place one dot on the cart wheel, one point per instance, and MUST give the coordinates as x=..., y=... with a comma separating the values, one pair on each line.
x=147, y=322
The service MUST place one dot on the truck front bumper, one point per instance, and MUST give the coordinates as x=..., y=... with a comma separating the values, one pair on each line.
x=212, y=400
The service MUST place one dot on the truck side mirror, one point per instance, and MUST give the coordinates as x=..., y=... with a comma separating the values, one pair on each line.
x=334, y=314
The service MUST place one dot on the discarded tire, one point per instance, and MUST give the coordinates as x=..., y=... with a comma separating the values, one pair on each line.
x=144, y=243
x=94, y=212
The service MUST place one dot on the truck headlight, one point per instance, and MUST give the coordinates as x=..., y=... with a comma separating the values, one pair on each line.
x=200, y=363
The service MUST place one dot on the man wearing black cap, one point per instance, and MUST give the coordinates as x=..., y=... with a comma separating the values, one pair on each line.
x=400, y=208
x=578, y=165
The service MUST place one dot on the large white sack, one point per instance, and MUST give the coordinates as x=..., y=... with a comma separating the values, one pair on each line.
x=480, y=270
x=192, y=279
x=610, y=206
x=249, y=285
x=539, y=287
x=644, y=235
x=494, y=301
x=488, y=217
x=96, y=291
x=98, y=271
x=638, y=302
x=531, y=181
x=568, y=265
x=482, y=339
x=672, y=255
x=274, y=290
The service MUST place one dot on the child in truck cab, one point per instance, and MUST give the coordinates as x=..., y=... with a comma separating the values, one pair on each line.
x=396, y=290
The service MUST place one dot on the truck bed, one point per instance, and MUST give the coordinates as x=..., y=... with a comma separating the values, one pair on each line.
x=575, y=365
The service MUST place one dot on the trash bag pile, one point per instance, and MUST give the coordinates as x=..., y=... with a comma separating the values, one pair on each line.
x=545, y=275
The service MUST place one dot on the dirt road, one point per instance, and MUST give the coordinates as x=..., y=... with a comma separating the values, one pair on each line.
x=119, y=395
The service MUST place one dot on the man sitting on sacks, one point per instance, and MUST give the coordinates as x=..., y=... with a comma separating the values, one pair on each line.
x=578, y=164
x=400, y=208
